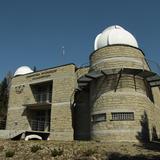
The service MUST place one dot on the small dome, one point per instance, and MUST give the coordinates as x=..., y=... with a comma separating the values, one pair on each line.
x=114, y=35
x=22, y=70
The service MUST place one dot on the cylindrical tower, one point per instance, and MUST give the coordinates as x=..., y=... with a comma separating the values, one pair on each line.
x=121, y=97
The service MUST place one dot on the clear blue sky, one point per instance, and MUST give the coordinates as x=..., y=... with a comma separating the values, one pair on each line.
x=32, y=32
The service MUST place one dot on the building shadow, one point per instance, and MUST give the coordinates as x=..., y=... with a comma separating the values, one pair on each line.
x=154, y=134
x=81, y=115
x=143, y=136
x=118, y=156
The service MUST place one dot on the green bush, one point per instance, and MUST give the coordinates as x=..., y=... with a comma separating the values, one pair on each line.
x=56, y=152
x=10, y=153
x=35, y=148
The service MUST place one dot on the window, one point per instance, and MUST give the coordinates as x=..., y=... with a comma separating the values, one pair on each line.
x=99, y=117
x=123, y=116
x=42, y=92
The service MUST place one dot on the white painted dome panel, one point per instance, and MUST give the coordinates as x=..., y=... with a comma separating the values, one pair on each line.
x=96, y=40
x=113, y=27
x=122, y=37
x=114, y=35
x=23, y=70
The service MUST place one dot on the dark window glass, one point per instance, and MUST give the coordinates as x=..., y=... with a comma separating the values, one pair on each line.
x=99, y=117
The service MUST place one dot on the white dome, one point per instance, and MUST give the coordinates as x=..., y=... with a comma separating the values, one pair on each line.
x=22, y=70
x=114, y=35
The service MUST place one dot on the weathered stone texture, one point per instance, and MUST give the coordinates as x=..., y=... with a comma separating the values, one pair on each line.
x=64, y=82
x=125, y=93
x=81, y=71
x=72, y=107
x=118, y=57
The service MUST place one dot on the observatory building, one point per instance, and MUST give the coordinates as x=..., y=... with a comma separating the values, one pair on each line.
x=115, y=98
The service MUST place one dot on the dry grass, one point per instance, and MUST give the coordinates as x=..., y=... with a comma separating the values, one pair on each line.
x=78, y=150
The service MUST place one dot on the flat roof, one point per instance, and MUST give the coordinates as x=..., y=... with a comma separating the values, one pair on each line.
x=47, y=69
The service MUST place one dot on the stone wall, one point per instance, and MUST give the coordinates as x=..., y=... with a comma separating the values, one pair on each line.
x=74, y=108
x=21, y=97
x=117, y=56
x=81, y=71
x=104, y=99
x=128, y=94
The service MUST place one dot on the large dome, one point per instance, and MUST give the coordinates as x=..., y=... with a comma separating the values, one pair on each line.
x=22, y=70
x=114, y=35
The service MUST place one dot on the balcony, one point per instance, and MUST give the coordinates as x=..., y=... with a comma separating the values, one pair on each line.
x=37, y=125
x=39, y=99
x=44, y=97
x=2, y=124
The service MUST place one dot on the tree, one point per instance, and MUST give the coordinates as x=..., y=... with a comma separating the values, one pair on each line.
x=4, y=94
x=34, y=68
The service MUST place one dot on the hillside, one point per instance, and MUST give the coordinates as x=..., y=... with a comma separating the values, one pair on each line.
x=47, y=150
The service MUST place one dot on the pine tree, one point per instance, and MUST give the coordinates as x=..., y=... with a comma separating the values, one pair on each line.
x=34, y=68
x=3, y=98
x=4, y=94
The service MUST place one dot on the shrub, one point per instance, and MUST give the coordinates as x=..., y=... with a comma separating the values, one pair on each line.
x=35, y=148
x=10, y=153
x=56, y=152
x=89, y=152
x=1, y=148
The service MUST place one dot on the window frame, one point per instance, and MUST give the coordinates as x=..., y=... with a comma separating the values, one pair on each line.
x=99, y=117
x=122, y=116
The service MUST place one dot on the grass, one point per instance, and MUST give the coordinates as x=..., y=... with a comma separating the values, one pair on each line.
x=35, y=148
x=56, y=152
x=10, y=153
x=89, y=152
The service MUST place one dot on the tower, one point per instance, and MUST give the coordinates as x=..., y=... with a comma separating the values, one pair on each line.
x=123, y=103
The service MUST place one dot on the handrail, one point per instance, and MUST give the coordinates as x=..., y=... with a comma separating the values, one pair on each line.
x=38, y=125
x=2, y=124
x=43, y=97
